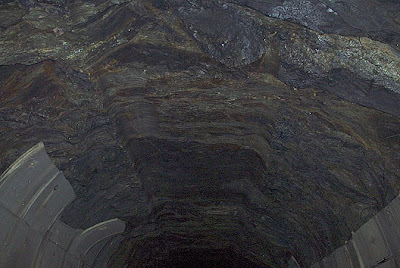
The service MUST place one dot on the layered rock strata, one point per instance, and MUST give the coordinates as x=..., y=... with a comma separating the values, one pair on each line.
x=224, y=133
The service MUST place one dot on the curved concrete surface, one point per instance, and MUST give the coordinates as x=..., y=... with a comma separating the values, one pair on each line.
x=33, y=194
x=375, y=244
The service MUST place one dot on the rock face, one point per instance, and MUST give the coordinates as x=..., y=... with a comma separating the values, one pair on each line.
x=224, y=133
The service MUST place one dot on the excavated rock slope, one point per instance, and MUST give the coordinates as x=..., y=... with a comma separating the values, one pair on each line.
x=224, y=133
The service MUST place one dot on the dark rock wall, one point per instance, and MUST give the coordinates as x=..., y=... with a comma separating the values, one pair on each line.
x=225, y=133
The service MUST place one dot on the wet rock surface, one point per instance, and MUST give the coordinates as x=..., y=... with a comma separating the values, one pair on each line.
x=224, y=133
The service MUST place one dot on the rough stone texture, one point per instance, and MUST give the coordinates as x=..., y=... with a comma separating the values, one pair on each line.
x=224, y=133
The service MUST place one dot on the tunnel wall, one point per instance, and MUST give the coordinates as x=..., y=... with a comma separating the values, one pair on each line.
x=33, y=194
x=375, y=244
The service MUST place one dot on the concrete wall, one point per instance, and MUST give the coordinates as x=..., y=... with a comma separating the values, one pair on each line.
x=33, y=194
x=375, y=244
